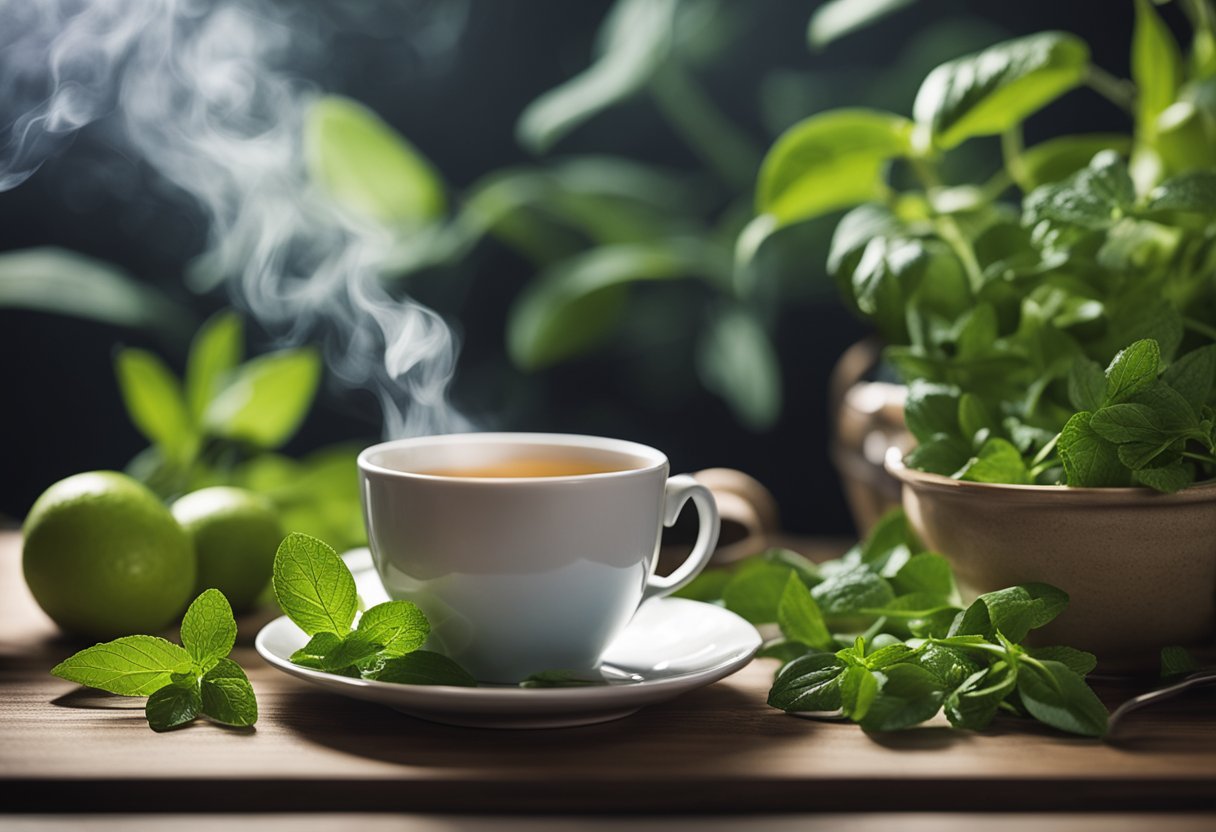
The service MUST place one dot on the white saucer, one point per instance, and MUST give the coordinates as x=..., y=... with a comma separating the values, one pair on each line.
x=671, y=646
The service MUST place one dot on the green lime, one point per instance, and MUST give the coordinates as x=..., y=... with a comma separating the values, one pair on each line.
x=236, y=534
x=105, y=558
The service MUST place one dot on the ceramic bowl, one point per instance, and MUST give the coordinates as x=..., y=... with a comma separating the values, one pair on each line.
x=1139, y=566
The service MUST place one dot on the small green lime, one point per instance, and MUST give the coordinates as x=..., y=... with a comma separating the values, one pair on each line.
x=236, y=534
x=105, y=558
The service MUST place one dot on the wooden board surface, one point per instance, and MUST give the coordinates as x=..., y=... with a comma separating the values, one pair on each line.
x=63, y=748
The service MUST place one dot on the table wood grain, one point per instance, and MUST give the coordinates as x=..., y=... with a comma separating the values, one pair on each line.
x=68, y=749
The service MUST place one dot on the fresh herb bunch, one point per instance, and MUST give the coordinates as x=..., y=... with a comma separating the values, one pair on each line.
x=181, y=682
x=317, y=592
x=1002, y=313
x=880, y=636
x=222, y=423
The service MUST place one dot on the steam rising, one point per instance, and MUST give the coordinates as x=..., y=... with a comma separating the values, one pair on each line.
x=203, y=93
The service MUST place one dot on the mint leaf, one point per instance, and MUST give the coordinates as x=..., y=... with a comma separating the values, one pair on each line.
x=1012, y=612
x=128, y=666
x=941, y=455
x=1193, y=375
x=858, y=688
x=1177, y=661
x=398, y=626
x=1057, y=696
x=1088, y=459
x=423, y=667
x=927, y=572
x=208, y=629
x=997, y=461
x=227, y=696
x=755, y=591
x=1132, y=369
x=351, y=650
x=800, y=618
x=318, y=647
x=850, y=592
x=907, y=695
x=811, y=683
x=948, y=664
x=1194, y=191
x=313, y=585
x=1078, y=661
x=1121, y=423
x=974, y=703
x=1168, y=479
x=174, y=705
x=1086, y=384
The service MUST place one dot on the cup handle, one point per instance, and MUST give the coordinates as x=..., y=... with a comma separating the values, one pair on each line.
x=680, y=490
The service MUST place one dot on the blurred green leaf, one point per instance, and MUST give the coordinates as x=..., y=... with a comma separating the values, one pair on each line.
x=994, y=90
x=1193, y=192
x=1156, y=68
x=837, y=18
x=634, y=40
x=215, y=352
x=829, y=161
x=267, y=398
x=367, y=166
x=737, y=361
x=574, y=305
x=155, y=403
x=66, y=283
x=1059, y=158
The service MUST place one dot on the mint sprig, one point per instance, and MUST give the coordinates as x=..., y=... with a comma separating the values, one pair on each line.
x=317, y=592
x=880, y=637
x=181, y=682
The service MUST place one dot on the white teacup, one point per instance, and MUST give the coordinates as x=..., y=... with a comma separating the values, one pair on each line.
x=527, y=551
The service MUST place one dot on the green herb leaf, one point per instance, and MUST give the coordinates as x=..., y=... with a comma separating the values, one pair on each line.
x=907, y=695
x=423, y=667
x=1133, y=369
x=174, y=705
x=1193, y=192
x=1177, y=661
x=313, y=585
x=927, y=572
x=848, y=593
x=1156, y=67
x=1168, y=479
x=227, y=696
x=1193, y=375
x=353, y=649
x=997, y=461
x=1089, y=460
x=708, y=586
x=128, y=666
x=367, y=166
x=399, y=627
x=755, y=591
x=950, y=665
x=974, y=703
x=318, y=647
x=811, y=683
x=800, y=618
x=1078, y=661
x=837, y=18
x=1057, y=696
x=215, y=352
x=858, y=689
x=267, y=398
x=1013, y=612
x=208, y=629
x=988, y=93
x=1092, y=198
x=829, y=161
x=1058, y=158
x=1086, y=385
x=154, y=401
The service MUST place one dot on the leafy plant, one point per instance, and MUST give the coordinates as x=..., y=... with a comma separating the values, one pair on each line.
x=317, y=592
x=879, y=635
x=221, y=424
x=1001, y=314
x=181, y=682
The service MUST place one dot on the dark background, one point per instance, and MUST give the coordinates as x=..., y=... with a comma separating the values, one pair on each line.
x=61, y=411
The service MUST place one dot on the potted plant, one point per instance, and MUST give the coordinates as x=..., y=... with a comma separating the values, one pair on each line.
x=1054, y=324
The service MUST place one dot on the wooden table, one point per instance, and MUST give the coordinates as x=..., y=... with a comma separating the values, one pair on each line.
x=65, y=749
